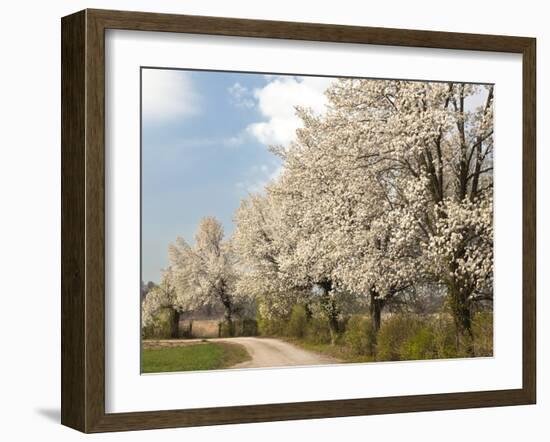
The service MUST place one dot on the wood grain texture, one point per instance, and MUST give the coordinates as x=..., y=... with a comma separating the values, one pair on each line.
x=529, y=221
x=145, y=21
x=95, y=222
x=83, y=220
x=73, y=254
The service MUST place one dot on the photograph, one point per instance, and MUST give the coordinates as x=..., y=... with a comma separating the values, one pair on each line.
x=297, y=220
x=311, y=208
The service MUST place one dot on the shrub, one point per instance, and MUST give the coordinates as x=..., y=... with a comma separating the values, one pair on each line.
x=239, y=327
x=297, y=323
x=318, y=331
x=227, y=329
x=359, y=336
x=420, y=344
x=405, y=337
x=449, y=345
x=245, y=327
x=161, y=326
x=482, y=329
x=392, y=336
x=270, y=327
x=444, y=331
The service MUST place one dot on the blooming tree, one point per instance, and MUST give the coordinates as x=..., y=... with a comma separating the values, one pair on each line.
x=260, y=242
x=159, y=297
x=204, y=274
x=335, y=211
x=389, y=188
x=429, y=147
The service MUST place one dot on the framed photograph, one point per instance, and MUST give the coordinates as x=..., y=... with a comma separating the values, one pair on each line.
x=269, y=220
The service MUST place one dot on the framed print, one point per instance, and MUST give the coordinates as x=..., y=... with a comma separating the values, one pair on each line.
x=269, y=220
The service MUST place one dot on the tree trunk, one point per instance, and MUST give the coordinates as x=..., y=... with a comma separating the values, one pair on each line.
x=462, y=316
x=228, y=306
x=376, y=306
x=175, y=324
x=229, y=322
x=459, y=292
x=331, y=310
x=309, y=313
x=334, y=329
x=375, y=309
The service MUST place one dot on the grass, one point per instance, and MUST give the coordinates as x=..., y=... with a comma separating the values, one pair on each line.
x=200, y=356
x=337, y=351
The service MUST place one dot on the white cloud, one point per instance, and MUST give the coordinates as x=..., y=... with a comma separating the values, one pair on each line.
x=277, y=101
x=237, y=90
x=241, y=96
x=168, y=94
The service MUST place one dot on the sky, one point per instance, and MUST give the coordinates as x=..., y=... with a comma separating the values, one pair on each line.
x=205, y=138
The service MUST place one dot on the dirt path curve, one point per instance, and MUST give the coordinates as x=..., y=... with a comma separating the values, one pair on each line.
x=270, y=352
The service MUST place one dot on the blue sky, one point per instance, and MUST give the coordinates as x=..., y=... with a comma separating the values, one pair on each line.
x=204, y=147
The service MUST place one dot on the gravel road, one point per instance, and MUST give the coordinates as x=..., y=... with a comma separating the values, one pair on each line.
x=270, y=352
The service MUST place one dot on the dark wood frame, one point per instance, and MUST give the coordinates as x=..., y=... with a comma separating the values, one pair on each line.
x=83, y=220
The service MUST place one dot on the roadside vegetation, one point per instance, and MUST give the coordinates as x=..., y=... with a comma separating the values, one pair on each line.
x=205, y=355
x=402, y=336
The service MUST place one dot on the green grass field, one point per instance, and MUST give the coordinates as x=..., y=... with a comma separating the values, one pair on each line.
x=201, y=356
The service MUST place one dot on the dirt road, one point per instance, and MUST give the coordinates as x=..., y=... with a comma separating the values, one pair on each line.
x=270, y=352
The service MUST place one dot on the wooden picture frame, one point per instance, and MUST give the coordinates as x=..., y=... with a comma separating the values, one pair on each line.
x=83, y=220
